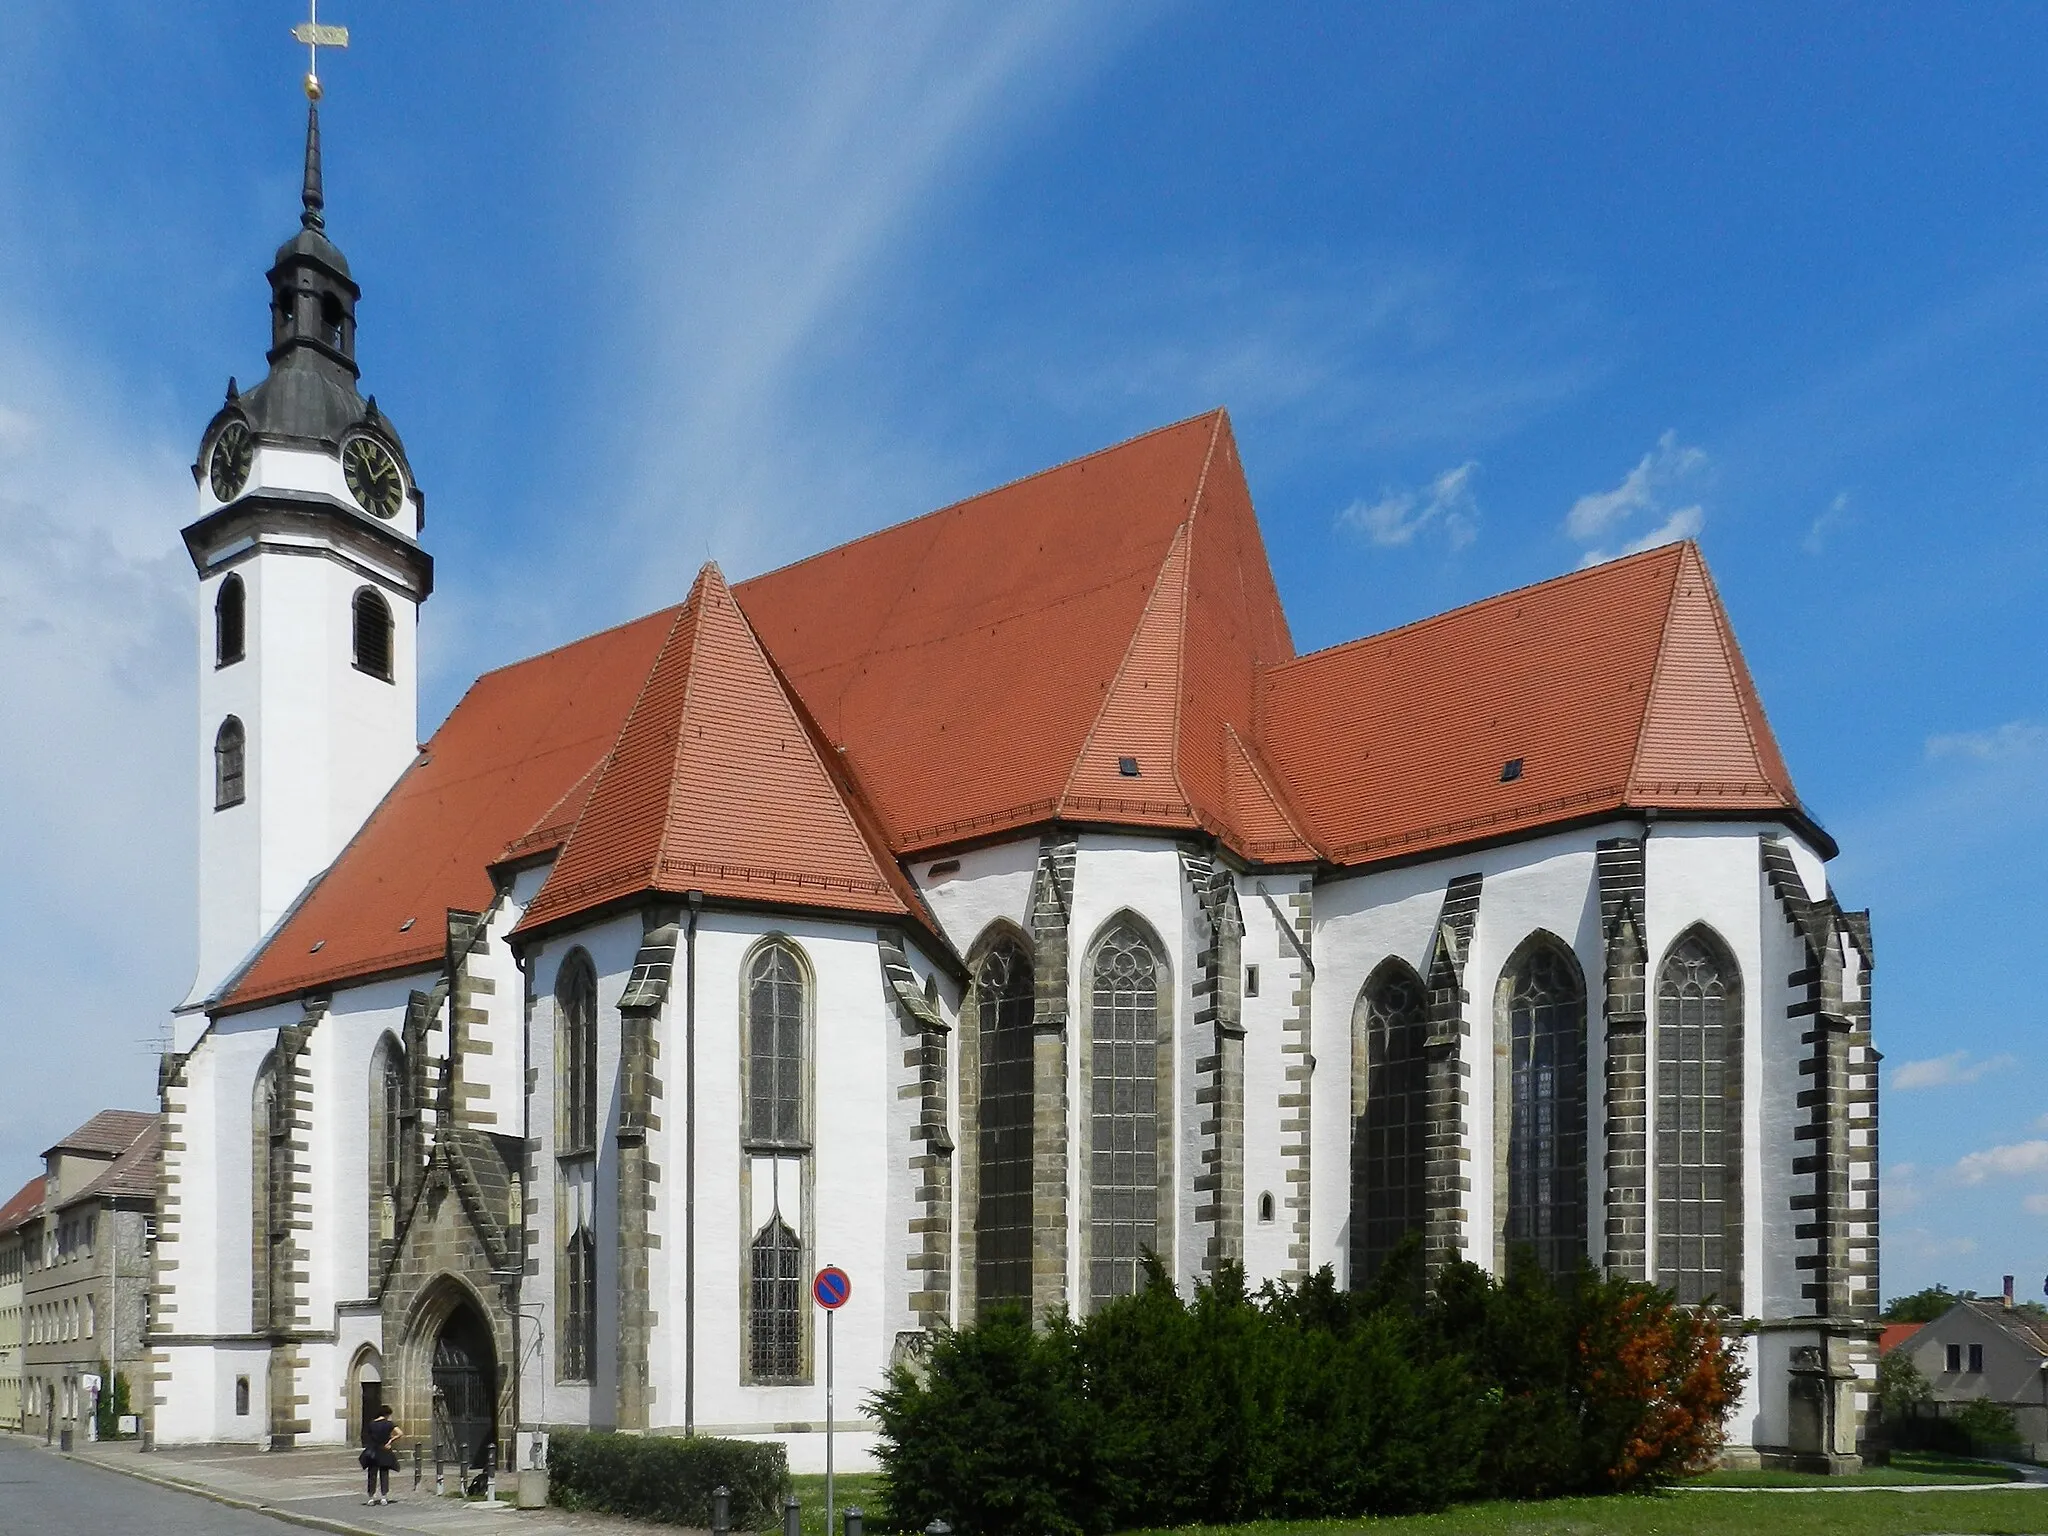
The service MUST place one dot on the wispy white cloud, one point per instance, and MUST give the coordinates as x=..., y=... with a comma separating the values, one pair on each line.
x=2014, y=1160
x=1818, y=531
x=2016, y=739
x=1946, y=1071
x=1662, y=477
x=1446, y=503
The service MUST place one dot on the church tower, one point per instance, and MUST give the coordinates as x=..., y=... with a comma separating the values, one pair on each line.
x=311, y=576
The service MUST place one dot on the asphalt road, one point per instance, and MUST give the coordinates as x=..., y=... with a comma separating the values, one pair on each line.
x=41, y=1494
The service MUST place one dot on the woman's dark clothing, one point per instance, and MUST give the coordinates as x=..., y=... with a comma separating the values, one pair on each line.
x=378, y=1458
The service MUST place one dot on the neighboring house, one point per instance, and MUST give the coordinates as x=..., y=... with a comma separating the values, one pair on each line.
x=1990, y=1349
x=86, y=1287
x=16, y=1217
x=1896, y=1334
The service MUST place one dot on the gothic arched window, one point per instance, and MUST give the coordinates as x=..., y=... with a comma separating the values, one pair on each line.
x=775, y=1318
x=775, y=1047
x=1544, y=1002
x=1699, y=1123
x=579, y=1305
x=387, y=1142
x=373, y=634
x=270, y=1180
x=230, y=621
x=1002, y=1209
x=1123, y=1112
x=230, y=781
x=1390, y=1115
x=576, y=1057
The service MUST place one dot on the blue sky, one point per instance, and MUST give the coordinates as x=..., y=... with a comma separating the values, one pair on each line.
x=1488, y=290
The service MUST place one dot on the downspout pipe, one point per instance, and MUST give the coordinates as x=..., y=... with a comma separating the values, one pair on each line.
x=695, y=899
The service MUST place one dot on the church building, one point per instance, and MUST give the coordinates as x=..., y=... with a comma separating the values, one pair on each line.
x=980, y=906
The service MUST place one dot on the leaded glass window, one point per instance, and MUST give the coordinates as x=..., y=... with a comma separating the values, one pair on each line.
x=1546, y=1007
x=775, y=1047
x=579, y=1305
x=1002, y=1215
x=230, y=786
x=1123, y=1177
x=775, y=1322
x=1389, y=1150
x=576, y=1068
x=1699, y=1005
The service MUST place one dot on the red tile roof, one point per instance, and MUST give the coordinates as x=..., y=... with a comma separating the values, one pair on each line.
x=992, y=666
x=1615, y=687
x=497, y=772
x=1895, y=1334
x=988, y=665
x=111, y=1132
x=26, y=1203
x=716, y=784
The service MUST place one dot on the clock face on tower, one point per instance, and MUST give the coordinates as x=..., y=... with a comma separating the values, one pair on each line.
x=373, y=477
x=227, y=468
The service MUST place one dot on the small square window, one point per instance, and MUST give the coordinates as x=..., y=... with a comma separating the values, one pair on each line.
x=1511, y=770
x=1955, y=1357
x=1976, y=1359
x=1127, y=766
x=1251, y=981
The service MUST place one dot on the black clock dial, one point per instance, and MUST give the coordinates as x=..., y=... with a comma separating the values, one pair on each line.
x=372, y=475
x=227, y=468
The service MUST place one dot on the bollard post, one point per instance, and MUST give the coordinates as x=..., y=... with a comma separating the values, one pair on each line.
x=721, y=1511
x=491, y=1472
x=938, y=1528
x=856, y=1525
x=792, y=1517
x=440, y=1470
x=418, y=1454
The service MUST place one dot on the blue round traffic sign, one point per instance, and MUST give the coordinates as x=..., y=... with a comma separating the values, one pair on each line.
x=831, y=1287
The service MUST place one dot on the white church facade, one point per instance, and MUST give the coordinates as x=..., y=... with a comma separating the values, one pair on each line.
x=979, y=906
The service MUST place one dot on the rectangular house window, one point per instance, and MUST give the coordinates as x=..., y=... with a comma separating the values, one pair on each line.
x=1976, y=1359
x=1955, y=1357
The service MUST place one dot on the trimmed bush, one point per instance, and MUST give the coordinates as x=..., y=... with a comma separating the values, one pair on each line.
x=1303, y=1402
x=655, y=1477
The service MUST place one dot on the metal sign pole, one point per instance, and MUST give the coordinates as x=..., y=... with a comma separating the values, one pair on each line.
x=830, y=1313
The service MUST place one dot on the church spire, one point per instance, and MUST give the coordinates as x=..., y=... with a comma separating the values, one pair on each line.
x=312, y=196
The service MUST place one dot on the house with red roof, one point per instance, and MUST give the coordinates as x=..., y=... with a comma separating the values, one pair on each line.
x=980, y=906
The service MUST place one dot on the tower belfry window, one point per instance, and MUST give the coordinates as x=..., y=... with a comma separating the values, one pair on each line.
x=373, y=634
x=230, y=613
x=230, y=744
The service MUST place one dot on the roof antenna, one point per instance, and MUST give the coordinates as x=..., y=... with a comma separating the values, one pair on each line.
x=315, y=37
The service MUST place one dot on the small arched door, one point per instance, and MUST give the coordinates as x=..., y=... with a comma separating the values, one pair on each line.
x=465, y=1388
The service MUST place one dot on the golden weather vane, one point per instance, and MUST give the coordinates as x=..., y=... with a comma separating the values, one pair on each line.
x=316, y=37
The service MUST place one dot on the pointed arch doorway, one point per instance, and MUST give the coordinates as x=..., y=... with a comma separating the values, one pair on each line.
x=465, y=1377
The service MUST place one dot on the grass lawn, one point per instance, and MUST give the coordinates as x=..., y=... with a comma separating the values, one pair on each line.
x=857, y=1488
x=1907, y=1467
x=1999, y=1512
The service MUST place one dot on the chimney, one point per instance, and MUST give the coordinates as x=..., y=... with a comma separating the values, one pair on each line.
x=2008, y=1293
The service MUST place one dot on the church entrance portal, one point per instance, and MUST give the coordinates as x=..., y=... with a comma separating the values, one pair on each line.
x=465, y=1387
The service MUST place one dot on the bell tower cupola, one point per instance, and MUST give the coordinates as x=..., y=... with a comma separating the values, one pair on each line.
x=311, y=574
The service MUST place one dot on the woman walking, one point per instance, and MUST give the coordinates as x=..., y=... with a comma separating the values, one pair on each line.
x=380, y=1455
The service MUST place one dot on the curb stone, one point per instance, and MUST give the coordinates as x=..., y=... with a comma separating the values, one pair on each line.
x=291, y=1516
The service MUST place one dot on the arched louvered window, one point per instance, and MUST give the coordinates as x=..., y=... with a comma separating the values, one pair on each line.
x=1390, y=1115
x=579, y=1305
x=775, y=1047
x=576, y=1057
x=373, y=633
x=1544, y=1002
x=1699, y=1123
x=230, y=621
x=775, y=1317
x=1123, y=1111
x=230, y=747
x=1003, y=997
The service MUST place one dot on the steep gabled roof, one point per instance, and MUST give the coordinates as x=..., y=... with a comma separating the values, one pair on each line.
x=1611, y=688
x=26, y=1203
x=988, y=665
x=515, y=749
x=132, y=1175
x=108, y=1133
x=717, y=784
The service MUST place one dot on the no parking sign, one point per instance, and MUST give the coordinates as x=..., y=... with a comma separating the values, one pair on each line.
x=831, y=1288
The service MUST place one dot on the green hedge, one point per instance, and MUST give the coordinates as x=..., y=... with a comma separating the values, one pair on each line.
x=654, y=1477
x=1302, y=1402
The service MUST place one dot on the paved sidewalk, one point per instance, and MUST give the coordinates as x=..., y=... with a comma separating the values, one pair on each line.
x=323, y=1488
